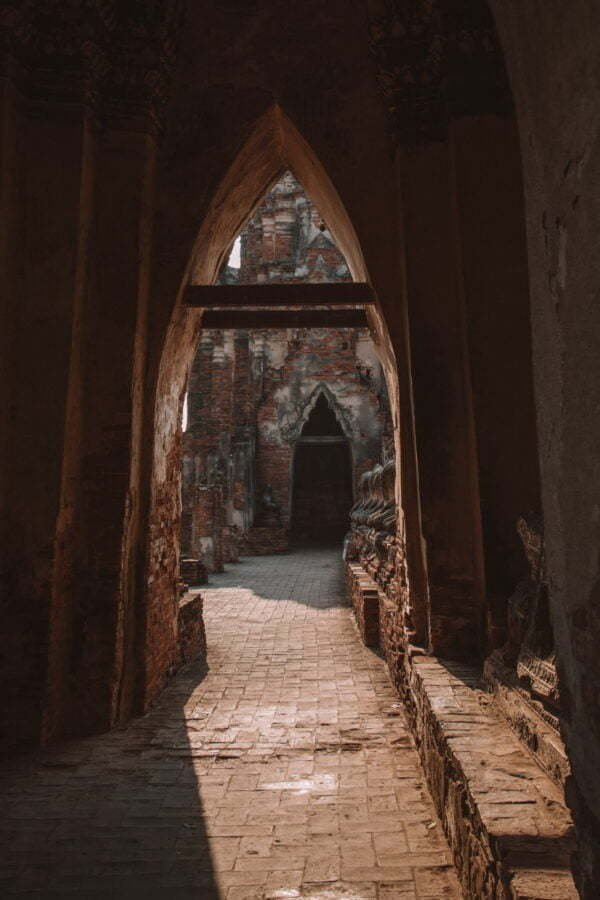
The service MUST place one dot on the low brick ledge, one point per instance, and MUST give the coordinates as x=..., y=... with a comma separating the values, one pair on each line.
x=365, y=598
x=507, y=823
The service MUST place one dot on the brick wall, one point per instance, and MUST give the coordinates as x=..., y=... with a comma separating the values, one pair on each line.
x=250, y=393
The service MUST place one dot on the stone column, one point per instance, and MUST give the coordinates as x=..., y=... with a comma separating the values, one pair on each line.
x=445, y=437
x=242, y=384
x=98, y=546
x=491, y=223
x=208, y=526
x=46, y=154
x=243, y=436
x=222, y=406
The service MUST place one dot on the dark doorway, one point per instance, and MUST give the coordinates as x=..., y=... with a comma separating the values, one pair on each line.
x=322, y=479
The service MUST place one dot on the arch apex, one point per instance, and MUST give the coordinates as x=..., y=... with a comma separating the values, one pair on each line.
x=273, y=146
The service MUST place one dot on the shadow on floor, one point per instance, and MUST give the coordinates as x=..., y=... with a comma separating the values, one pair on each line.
x=114, y=816
x=310, y=575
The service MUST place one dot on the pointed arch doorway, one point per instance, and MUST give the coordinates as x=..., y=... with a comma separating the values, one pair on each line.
x=321, y=479
x=273, y=146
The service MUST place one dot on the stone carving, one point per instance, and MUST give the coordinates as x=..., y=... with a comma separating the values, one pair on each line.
x=295, y=413
x=61, y=48
x=388, y=517
x=375, y=556
x=408, y=44
x=117, y=57
x=143, y=55
x=530, y=645
x=522, y=674
x=373, y=539
x=435, y=59
x=383, y=519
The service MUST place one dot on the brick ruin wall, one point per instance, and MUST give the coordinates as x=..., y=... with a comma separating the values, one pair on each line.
x=251, y=392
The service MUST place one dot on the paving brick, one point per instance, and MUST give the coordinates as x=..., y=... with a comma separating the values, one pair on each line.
x=284, y=771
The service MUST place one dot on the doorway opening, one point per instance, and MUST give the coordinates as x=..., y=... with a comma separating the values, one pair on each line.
x=322, y=479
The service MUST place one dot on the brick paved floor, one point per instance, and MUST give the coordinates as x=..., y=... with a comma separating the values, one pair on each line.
x=286, y=771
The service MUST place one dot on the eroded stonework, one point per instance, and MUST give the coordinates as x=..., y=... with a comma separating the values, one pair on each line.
x=522, y=674
x=281, y=424
x=487, y=760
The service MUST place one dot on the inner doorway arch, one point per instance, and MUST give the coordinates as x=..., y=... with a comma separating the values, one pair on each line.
x=321, y=479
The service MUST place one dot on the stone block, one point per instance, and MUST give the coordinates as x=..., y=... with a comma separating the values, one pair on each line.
x=191, y=637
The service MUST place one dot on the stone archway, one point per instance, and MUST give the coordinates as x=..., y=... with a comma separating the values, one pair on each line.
x=273, y=146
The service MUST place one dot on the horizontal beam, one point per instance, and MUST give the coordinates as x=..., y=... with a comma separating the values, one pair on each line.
x=225, y=296
x=284, y=318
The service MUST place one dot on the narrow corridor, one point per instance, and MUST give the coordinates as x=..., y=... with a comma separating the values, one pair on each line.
x=284, y=771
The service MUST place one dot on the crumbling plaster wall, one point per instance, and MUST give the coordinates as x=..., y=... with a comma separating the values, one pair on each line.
x=246, y=411
x=320, y=361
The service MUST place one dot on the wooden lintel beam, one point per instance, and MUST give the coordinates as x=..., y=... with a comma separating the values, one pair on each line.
x=284, y=318
x=242, y=296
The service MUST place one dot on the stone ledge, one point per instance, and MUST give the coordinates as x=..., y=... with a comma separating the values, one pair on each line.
x=520, y=710
x=365, y=597
x=507, y=822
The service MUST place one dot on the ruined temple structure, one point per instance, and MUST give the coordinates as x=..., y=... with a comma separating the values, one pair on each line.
x=281, y=424
x=408, y=362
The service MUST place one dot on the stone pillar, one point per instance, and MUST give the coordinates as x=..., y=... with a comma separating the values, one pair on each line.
x=208, y=526
x=100, y=545
x=46, y=153
x=244, y=435
x=491, y=222
x=445, y=437
x=242, y=385
x=222, y=391
x=78, y=142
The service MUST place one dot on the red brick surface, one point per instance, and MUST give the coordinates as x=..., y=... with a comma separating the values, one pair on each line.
x=251, y=392
x=285, y=771
x=263, y=541
x=506, y=821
